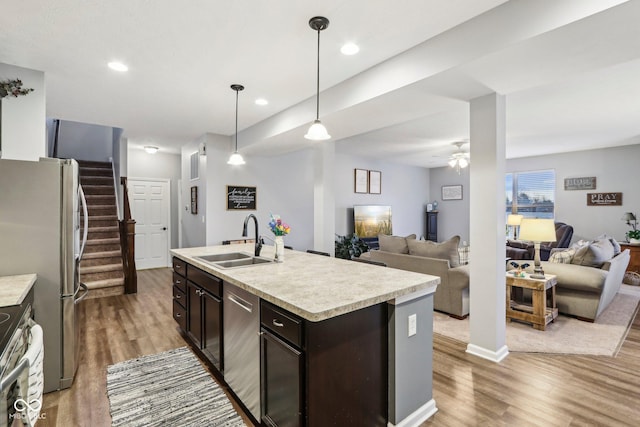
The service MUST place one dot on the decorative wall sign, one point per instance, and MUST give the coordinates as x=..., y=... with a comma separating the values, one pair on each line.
x=361, y=181
x=604, y=199
x=375, y=182
x=194, y=200
x=584, y=183
x=452, y=192
x=241, y=197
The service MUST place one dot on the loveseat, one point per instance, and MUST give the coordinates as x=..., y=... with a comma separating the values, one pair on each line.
x=437, y=259
x=589, y=275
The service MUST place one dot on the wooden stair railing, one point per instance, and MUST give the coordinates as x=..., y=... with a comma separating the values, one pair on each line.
x=127, y=242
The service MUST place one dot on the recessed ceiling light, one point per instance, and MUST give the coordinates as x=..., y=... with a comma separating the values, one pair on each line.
x=118, y=66
x=350, y=49
x=261, y=101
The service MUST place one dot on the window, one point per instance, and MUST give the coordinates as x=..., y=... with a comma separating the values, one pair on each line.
x=531, y=194
x=195, y=163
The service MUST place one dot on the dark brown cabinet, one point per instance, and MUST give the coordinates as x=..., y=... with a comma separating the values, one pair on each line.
x=197, y=307
x=282, y=368
x=432, y=226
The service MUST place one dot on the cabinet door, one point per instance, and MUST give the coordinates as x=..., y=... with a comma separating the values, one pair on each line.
x=194, y=313
x=212, y=333
x=282, y=382
x=432, y=226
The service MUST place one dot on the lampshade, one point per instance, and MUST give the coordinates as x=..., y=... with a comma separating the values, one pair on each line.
x=317, y=132
x=150, y=149
x=628, y=216
x=537, y=230
x=514, y=219
x=459, y=159
x=236, y=159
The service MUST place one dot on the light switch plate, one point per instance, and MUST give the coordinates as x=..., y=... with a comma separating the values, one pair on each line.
x=412, y=320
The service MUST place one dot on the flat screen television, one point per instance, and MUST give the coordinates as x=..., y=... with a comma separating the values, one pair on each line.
x=371, y=220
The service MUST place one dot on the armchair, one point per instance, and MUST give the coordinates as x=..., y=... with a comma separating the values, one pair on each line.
x=517, y=249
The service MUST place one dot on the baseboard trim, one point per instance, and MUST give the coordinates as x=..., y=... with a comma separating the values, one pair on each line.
x=494, y=356
x=418, y=416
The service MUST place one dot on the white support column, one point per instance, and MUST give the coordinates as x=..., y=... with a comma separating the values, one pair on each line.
x=487, y=221
x=324, y=224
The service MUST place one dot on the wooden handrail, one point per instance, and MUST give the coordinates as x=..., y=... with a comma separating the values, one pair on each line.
x=127, y=243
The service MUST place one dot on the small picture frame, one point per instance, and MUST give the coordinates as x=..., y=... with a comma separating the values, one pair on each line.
x=452, y=192
x=361, y=181
x=375, y=182
x=429, y=207
x=194, y=200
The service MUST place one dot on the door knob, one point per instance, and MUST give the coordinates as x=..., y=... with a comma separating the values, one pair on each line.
x=164, y=228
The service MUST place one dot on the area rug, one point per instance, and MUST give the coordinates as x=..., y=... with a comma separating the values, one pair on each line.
x=566, y=335
x=170, y=388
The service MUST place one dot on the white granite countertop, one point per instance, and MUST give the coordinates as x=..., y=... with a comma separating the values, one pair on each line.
x=13, y=289
x=312, y=286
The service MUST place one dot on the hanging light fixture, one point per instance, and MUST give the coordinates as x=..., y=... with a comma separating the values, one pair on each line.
x=459, y=159
x=236, y=158
x=317, y=131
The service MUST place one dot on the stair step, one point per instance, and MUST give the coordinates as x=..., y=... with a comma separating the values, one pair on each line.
x=96, y=180
x=93, y=276
x=104, y=254
x=103, y=229
x=92, y=190
x=94, y=164
x=101, y=199
x=109, y=241
x=91, y=171
x=100, y=268
x=104, y=283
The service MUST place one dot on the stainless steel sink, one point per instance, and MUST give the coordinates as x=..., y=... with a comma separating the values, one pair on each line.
x=233, y=260
x=224, y=257
x=243, y=262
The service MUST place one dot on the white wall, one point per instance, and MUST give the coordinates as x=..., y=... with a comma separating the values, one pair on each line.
x=404, y=188
x=159, y=165
x=193, y=227
x=615, y=170
x=23, y=121
x=84, y=141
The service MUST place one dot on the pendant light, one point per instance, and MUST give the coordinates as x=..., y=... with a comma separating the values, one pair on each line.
x=236, y=158
x=317, y=131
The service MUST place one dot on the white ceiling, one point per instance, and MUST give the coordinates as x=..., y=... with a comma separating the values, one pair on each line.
x=569, y=70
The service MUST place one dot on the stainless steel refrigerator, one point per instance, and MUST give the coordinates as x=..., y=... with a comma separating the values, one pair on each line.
x=40, y=232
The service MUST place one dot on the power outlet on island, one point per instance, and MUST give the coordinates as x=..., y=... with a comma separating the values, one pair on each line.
x=412, y=320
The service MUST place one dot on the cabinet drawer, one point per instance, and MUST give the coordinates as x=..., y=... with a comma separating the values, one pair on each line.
x=282, y=323
x=208, y=282
x=180, y=282
x=179, y=266
x=179, y=296
x=180, y=315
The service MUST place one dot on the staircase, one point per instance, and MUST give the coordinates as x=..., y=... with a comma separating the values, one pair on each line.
x=101, y=266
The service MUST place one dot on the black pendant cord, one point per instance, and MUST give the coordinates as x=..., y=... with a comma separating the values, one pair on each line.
x=318, y=81
x=236, y=121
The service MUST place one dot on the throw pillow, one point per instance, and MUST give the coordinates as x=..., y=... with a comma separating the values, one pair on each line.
x=616, y=246
x=562, y=256
x=395, y=244
x=595, y=254
x=446, y=250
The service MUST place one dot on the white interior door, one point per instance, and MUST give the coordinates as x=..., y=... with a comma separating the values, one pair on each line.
x=149, y=200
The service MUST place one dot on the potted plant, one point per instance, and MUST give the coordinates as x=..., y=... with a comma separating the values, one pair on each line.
x=634, y=236
x=349, y=246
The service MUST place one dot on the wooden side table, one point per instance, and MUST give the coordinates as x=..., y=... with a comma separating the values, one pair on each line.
x=542, y=309
x=634, y=261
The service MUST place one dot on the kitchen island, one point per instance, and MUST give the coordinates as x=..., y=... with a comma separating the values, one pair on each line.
x=336, y=341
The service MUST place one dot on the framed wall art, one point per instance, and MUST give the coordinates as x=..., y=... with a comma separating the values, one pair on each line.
x=361, y=180
x=240, y=198
x=194, y=200
x=375, y=182
x=452, y=192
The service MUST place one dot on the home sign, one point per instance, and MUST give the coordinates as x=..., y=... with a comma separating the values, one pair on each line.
x=604, y=199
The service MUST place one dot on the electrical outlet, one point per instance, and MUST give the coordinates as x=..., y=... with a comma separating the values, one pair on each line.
x=412, y=320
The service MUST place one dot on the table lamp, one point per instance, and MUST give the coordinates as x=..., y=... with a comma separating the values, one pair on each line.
x=514, y=221
x=537, y=230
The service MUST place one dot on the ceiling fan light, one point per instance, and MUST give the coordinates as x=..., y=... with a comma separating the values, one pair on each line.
x=236, y=159
x=452, y=163
x=317, y=132
x=150, y=149
x=463, y=162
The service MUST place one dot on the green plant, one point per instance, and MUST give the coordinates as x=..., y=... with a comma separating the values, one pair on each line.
x=349, y=246
x=633, y=234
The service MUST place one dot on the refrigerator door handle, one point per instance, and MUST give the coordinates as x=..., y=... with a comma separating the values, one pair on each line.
x=83, y=296
x=85, y=230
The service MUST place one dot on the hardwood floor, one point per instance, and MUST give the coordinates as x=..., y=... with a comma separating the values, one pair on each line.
x=523, y=390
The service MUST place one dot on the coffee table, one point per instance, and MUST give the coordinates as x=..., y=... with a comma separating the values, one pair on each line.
x=542, y=309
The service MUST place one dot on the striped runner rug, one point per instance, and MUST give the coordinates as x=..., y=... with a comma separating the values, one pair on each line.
x=170, y=388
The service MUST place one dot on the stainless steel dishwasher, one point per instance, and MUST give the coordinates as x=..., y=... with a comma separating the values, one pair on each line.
x=242, y=345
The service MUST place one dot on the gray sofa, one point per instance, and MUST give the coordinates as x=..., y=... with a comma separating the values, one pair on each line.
x=588, y=278
x=452, y=294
